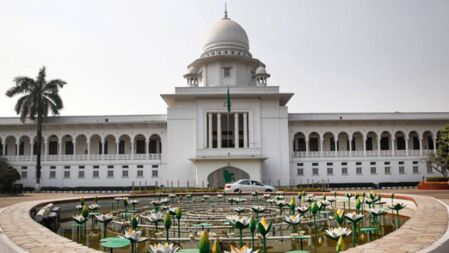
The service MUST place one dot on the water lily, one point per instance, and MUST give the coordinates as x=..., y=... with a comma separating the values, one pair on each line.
x=281, y=193
x=309, y=198
x=206, y=197
x=172, y=195
x=280, y=204
x=292, y=220
x=302, y=209
x=264, y=227
x=240, y=200
x=267, y=195
x=377, y=211
x=243, y=249
x=349, y=195
x=104, y=218
x=257, y=210
x=165, y=200
x=354, y=218
x=239, y=209
x=203, y=243
x=219, y=196
x=134, y=202
x=336, y=233
x=79, y=219
x=239, y=222
x=133, y=235
x=279, y=197
x=163, y=248
x=324, y=203
x=397, y=207
x=154, y=217
x=94, y=206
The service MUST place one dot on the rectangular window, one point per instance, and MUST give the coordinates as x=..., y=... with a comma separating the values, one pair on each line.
x=344, y=171
x=121, y=147
x=21, y=148
x=373, y=170
x=314, y=164
x=387, y=170
x=401, y=170
x=300, y=164
x=96, y=174
x=330, y=171
x=329, y=164
x=401, y=162
x=69, y=148
x=96, y=166
x=110, y=166
x=140, y=173
x=344, y=164
x=315, y=171
x=140, y=147
x=140, y=166
x=384, y=143
x=52, y=174
x=81, y=174
x=358, y=170
x=124, y=173
x=415, y=143
x=415, y=170
x=154, y=173
x=154, y=166
x=24, y=167
x=358, y=163
x=313, y=144
x=369, y=143
x=110, y=173
x=24, y=174
x=67, y=174
x=66, y=167
x=81, y=167
x=300, y=172
x=227, y=72
x=415, y=162
x=53, y=148
x=387, y=163
x=429, y=170
x=372, y=163
x=53, y=167
x=125, y=166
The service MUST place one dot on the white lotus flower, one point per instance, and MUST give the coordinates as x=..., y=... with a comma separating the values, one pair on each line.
x=206, y=196
x=243, y=249
x=336, y=233
x=302, y=209
x=292, y=219
x=353, y=217
x=134, y=202
x=378, y=211
x=240, y=200
x=94, y=206
x=133, y=235
x=154, y=216
x=280, y=197
x=79, y=219
x=325, y=203
x=165, y=200
x=310, y=198
x=238, y=220
x=270, y=201
x=79, y=207
x=279, y=193
x=163, y=248
x=258, y=209
x=239, y=209
x=219, y=196
x=281, y=203
x=102, y=218
x=172, y=195
x=267, y=195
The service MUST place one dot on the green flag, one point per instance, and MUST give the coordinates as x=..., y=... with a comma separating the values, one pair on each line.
x=228, y=101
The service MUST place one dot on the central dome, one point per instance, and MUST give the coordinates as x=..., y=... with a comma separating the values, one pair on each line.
x=226, y=34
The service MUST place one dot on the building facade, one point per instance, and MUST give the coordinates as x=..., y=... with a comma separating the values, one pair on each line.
x=200, y=142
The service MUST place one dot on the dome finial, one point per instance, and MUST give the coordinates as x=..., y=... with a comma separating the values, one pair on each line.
x=226, y=11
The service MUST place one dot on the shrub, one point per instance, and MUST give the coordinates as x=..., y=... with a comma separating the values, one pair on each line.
x=437, y=179
x=8, y=175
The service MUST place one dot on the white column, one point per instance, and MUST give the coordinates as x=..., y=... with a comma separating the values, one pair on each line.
x=219, y=130
x=350, y=147
x=245, y=130
x=210, y=131
x=406, y=146
x=392, y=145
x=236, y=130
x=378, y=146
x=45, y=149
x=295, y=144
x=117, y=143
x=74, y=150
x=336, y=145
x=321, y=146
x=158, y=146
x=435, y=144
x=88, y=148
x=102, y=149
x=147, y=148
x=132, y=149
x=364, y=146
x=60, y=149
x=307, y=147
x=420, y=146
x=31, y=148
x=17, y=148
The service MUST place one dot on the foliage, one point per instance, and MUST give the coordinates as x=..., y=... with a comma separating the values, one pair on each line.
x=8, y=175
x=437, y=179
x=440, y=161
x=38, y=98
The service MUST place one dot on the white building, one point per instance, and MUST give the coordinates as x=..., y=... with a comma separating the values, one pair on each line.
x=198, y=143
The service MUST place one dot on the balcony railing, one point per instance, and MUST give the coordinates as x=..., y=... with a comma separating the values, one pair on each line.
x=361, y=153
x=94, y=157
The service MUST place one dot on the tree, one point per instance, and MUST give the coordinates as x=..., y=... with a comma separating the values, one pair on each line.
x=39, y=97
x=8, y=175
x=440, y=160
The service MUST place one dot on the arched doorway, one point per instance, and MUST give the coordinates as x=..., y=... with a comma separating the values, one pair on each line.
x=225, y=175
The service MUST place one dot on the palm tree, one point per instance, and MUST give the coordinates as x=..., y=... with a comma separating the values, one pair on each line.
x=38, y=98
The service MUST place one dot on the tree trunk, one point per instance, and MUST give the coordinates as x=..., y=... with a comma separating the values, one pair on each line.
x=39, y=145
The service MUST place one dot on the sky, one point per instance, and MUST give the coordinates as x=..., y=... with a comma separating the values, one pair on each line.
x=336, y=56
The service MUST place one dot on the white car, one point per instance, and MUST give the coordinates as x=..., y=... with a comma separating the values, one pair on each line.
x=248, y=185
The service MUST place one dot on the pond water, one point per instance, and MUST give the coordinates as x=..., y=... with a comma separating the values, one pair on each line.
x=213, y=211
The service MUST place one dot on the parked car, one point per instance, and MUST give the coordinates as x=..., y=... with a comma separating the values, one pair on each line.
x=248, y=185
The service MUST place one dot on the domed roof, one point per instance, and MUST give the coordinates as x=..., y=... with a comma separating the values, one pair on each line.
x=226, y=34
x=260, y=70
